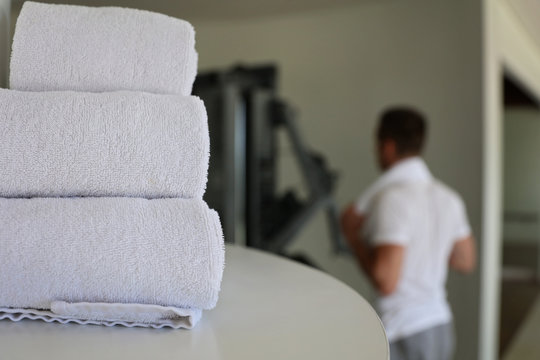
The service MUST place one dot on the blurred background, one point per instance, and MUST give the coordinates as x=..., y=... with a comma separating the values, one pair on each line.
x=293, y=91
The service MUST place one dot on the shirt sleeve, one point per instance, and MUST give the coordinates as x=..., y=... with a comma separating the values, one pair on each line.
x=462, y=227
x=389, y=223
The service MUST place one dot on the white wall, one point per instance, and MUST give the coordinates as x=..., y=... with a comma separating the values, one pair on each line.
x=341, y=68
x=521, y=173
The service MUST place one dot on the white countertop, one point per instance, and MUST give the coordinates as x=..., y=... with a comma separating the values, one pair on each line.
x=269, y=308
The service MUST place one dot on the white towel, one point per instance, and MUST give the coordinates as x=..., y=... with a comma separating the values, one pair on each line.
x=129, y=315
x=66, y=47
x=109, y=260
x=406, y=171
x=109, y=144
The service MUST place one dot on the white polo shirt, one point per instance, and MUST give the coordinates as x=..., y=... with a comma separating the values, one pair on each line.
x=426, y=217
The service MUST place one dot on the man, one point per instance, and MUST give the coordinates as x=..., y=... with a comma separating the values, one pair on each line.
x=405, y=232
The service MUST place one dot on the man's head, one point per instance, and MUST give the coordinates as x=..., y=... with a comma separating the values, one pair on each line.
x=400, y=135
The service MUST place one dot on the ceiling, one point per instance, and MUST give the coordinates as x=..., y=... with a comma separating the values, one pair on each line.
x=216, y=9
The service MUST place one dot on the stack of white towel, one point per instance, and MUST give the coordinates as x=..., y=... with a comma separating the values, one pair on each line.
x=104, y=158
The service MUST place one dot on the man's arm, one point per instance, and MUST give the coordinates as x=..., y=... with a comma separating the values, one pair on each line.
x=382, y=264
x=386, y=268
x=463, y=255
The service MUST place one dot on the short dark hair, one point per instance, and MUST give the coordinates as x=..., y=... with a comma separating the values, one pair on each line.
x=406, y=126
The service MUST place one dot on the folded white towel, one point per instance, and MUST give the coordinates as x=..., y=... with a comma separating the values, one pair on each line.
x=406, y=171
x=66, y=47
x=117, y=254
x=108, y=144
x=129, y=315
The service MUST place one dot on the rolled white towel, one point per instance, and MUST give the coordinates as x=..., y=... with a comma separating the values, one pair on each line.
x=109, y=144
x=66, y=47
x=110, y=260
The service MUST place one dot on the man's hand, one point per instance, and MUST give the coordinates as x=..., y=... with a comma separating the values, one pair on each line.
x=351, y=225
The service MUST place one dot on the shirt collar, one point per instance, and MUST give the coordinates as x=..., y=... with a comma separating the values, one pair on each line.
x=412, y=169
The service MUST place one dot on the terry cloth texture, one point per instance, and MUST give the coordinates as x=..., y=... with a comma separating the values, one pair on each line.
x=100, y=122
x=165, y=252
x=110, y=144
x=97, y=49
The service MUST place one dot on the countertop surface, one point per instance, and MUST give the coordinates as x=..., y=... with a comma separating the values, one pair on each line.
x=269, y=308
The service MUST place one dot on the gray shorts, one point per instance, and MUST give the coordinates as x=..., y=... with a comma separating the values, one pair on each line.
x=436, y=343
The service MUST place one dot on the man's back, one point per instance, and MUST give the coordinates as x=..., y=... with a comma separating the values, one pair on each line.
x=416, y=228
x=426, y=218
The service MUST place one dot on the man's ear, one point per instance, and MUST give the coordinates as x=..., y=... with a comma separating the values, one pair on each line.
x=389, y=149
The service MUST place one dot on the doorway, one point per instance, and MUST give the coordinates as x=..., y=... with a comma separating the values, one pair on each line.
x=520, y=274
